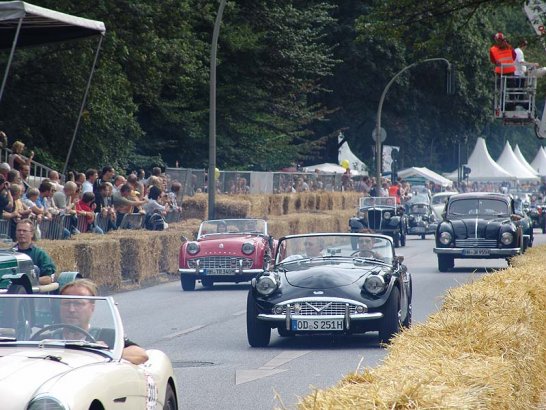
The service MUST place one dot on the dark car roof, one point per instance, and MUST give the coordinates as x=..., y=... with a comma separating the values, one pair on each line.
x=474, y=195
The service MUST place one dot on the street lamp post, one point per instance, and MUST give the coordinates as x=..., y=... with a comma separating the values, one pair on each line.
x=378, y=155
x=211, y=187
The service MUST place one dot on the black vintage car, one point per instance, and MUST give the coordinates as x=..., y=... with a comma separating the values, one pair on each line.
x=536, y=211
x=382, y=215
x=331, y=283
x=478, y=225
x=421, y=218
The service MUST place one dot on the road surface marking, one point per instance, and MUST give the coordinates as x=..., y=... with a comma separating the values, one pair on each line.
x=182, y=332
x=268, y=369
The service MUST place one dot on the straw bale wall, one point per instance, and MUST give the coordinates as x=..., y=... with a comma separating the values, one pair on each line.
x=485, y=349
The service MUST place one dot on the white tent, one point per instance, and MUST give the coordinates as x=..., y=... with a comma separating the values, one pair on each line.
x=521, y=158
x=539, y=163
x=482, y=166
x=329, y=168
x=426, y=174
x=510, y=163
x=344, y=152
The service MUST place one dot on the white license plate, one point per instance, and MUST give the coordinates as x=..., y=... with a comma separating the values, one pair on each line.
x=476, y=252
x=219, y=271
x=316, y=325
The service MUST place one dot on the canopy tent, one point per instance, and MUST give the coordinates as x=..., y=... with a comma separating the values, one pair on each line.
x=509, y=162
x=23, y=24
x=344, y=152
x=539, y=163
x=521, y=158
x=329, y=168
x=426, y=174
x=482, y=166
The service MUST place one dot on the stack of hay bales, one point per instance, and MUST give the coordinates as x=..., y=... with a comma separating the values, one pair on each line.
x=485, y=349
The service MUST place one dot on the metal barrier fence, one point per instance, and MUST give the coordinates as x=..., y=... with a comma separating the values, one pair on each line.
x=254, y=182
x=37, y=171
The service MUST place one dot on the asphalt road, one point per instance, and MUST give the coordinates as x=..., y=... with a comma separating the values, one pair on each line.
x=204, y=334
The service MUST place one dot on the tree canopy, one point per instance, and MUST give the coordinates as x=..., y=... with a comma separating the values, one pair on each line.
x=291, y=75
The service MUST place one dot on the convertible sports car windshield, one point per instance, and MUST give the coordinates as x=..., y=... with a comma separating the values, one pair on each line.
x=371, y=201
x=69, y=321
x=232, y=226
x=480, y=206
x=317, y=247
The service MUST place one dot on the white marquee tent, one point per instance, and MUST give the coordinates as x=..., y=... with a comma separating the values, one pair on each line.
x=522, y=159
x=539, y=163
x=482, y=166
x=329, y=168
x=344, y=152
x=509, y=162
x=426, y=174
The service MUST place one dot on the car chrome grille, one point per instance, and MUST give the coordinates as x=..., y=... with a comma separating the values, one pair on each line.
x=374, y=219
x=476, y=243
x=318, y=308
x=221, y=262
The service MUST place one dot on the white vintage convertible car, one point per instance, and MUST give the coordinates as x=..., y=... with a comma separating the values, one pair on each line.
x=48, y=362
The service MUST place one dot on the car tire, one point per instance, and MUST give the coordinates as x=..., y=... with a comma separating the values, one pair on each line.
x=445, y=263
x=17, y=290
x=188, y=283
x=207, y=282
x=407, y=321
x=390, y=324
x=403, y=237
x=170, y=399
x=258, y=334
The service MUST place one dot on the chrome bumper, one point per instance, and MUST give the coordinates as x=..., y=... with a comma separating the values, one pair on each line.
x=201, y=272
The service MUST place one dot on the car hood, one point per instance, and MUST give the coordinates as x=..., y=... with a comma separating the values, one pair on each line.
x=326, y=277
x=477, y=227
x=23, y=372
x=227, y=243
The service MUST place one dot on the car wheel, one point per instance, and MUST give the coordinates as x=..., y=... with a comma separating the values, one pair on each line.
x=445, y=263
x=531, y=238
x=390, y=325
x=403, y=236
x=407, y=321
x=207, y=282
x=188, y=283
x=17, y=290
x=543, y=225
x=258, y=333
x=170, y=399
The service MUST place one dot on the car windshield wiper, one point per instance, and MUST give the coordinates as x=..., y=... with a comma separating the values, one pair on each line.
x=368, y=259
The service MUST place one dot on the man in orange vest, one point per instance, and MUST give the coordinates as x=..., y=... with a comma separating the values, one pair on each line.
x=504, y=57
x=394, y=190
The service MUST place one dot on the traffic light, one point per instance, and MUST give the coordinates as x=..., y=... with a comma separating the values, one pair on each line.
x=466, y=171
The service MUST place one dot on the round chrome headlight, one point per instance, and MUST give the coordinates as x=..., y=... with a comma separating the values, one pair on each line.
x=46, y=402
x=387, y=215
x=374, y=284
x=278, y=310
x=248, y=248
x=192, y=248
x=507, y=238
x=266, y=285
x=445, y=238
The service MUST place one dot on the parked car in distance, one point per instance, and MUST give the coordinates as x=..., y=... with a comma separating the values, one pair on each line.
x=382, y=215
x=226, y=250
x=330, y=283
x=18, y=275
x=49, y=362
x=478, y=225
x=438, y=202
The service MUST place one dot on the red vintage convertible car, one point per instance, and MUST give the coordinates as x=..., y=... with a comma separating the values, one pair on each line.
x=226, y=250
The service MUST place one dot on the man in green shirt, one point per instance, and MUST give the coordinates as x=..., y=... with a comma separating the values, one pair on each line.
x=24, y=234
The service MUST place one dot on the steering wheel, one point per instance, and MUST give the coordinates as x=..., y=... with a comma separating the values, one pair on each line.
x=75, y=328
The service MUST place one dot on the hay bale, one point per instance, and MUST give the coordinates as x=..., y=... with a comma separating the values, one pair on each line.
x=195, y=206
x=227, y=207
x=276, y=202
x=168, y=251
x=63, y=254
x=259, y=205
x=99, y=260
x=139, y=260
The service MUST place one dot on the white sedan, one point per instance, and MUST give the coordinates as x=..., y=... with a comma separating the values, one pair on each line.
x=438, y=203
x=48, y=362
